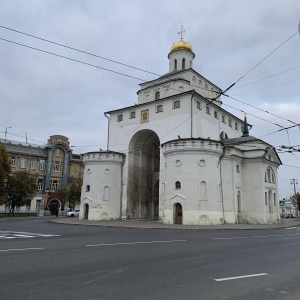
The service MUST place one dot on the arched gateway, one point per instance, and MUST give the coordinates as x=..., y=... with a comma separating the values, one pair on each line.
x=143, y=175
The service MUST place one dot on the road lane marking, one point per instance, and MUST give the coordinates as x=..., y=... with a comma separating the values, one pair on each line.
x=240, y=277
x=21, y=234
x=254, y=236
x=292, y=227
x=24, y=249
x=134, y=243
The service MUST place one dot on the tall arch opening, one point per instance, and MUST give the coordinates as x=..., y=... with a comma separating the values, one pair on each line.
x=143, y=175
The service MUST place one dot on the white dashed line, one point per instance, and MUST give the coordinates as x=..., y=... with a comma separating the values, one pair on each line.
x=241, y=277
x=24, y=249
x=134, y=243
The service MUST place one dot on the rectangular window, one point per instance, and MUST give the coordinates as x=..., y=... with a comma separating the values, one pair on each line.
x=229, y=123
x=236, y=126
x=177, y=104
x=132, y=115
x=56, y=166
x=32, y=164
x=57, y=152
x=13, y=161
x=223, y=118
x=42, y=165
x=266, y=198
x=216, y=114
x=237, y=168
x=159, y=108
x=23, y=163
x=40, y=184
x=120, y=118
x=207, y=110
x=198, y=104
x=54, y=185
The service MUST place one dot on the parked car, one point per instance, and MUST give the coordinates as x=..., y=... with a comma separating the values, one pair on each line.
x=73, y=213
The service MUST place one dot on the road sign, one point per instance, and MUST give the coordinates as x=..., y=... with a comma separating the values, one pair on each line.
x=282, y=203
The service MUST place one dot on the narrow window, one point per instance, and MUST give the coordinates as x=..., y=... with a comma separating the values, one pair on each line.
x=32, y=164
x=198, y=104
x=239, y=201
x=132, y=115
x=57, y=152
x=235, y=125
x=183, y=63
x=40, y=184
x=269, y=175
x=266, y=178
x=266, y=198
x=157, y=95
x=274, y=198
x=54, y=185
x=229, y=123
x=202, y=190
x=23, y=163
x=223, y=118
x=207, y=110
x=177, y=185
x=56, y=166
x=42, y=165
x=13, y=161
x=120, y=118
x=237, y=168
x=216, y=114
x=87, y=188
x=175, y=64
x=159, y=108
x=177, y=104
x=106, y=194
x=273, y=178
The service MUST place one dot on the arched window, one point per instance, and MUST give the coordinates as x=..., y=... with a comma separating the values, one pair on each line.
x=175, y=64
x=202, y=190
x=239, y=201
x=106, y=193
x=177, y=185
x=183, y=63
x=223, y=136
x=87, y=188
x=157, y=95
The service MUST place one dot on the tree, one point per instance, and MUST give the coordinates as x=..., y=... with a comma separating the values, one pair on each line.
x=4, y=172
x=21, y=188
x=298, y=199
x=74, y=192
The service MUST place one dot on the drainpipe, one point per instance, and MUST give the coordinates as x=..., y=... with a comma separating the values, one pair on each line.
x=105, y=114
x=192, y=113
x=221, y=185
x=121, y=192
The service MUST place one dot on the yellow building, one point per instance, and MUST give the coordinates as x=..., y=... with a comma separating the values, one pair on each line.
x=53, y=164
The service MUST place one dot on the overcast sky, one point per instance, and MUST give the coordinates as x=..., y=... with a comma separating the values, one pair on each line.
x=43, y=95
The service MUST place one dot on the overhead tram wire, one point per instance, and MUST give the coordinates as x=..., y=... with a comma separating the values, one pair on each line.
x=227, y=89
x=72, y=59
x=211, y=100
x=78, y=50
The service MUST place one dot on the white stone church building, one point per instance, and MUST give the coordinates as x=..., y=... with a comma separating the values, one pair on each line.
x=178, y=156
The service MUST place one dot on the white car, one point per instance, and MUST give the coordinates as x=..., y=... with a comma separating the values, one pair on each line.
x=73, y=213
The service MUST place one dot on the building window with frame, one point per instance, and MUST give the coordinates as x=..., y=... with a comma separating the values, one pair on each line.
x=40, y=184
x=120, y=118
x=274, y=199
x=42, y=165
x=157, y=95
x=230, y=122
x=176, y=104
x=183, y=63
x=13, y=161
x=159, y=108
x=87, y=188
x=238, y=168
x=216, y=114
x=32, y=164
x=56, y=166
x=23, y=163
x=132, y=115
x=57, y=152
x=54, y=185
x=223, y=118
x=175, y=64
x=198, y=104
x=236, y=126
x=266, y=198
x=177, y=185
x=207, y=110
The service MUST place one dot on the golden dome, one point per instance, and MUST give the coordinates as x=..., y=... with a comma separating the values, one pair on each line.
x=181, y=45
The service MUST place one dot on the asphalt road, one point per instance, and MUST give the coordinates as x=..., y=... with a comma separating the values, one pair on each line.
x=44, y=260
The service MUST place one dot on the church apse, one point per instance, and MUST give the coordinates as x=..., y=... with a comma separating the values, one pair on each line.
x=143, y=175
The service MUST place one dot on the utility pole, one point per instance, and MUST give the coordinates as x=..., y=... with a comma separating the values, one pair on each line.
x=6, y=131
x=294, y=182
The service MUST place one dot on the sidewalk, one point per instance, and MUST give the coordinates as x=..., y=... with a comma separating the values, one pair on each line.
x=146, y=223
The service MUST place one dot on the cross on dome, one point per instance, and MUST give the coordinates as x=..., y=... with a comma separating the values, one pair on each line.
x=181, y=33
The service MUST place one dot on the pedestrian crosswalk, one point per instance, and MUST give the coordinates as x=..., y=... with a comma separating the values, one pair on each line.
x=23, y=235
